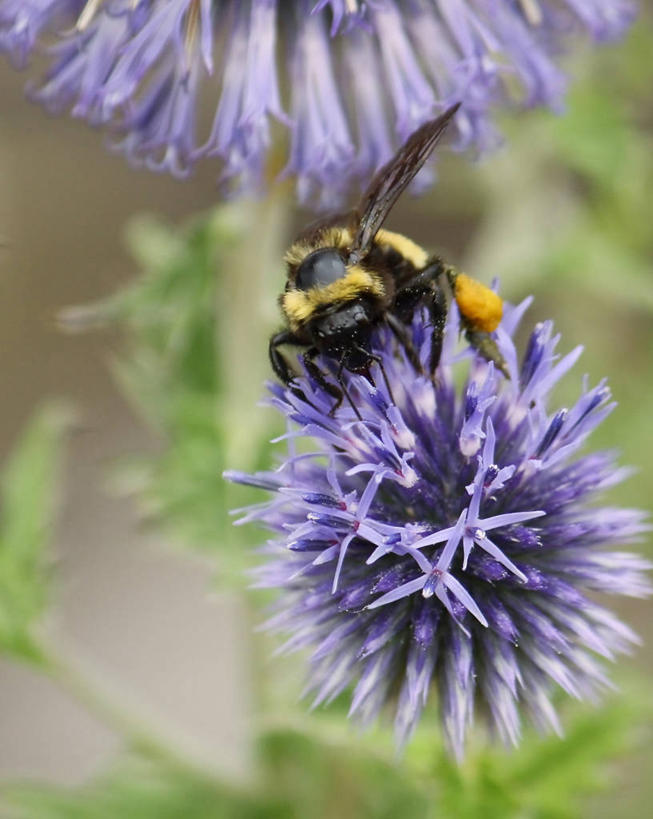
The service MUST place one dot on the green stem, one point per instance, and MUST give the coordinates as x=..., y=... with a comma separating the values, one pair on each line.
x=250, y=282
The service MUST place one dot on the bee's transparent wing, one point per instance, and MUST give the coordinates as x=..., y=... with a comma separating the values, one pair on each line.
x=393, y=178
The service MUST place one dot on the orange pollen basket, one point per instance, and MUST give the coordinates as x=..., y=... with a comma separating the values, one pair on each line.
x=479, y=306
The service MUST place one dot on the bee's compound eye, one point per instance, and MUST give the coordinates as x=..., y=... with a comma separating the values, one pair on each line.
x=320, y=268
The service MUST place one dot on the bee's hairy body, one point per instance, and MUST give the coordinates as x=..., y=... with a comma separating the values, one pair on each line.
x=347, y=274
x=392, y=261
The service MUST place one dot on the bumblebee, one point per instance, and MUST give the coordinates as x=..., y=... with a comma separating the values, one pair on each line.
x=347, y=274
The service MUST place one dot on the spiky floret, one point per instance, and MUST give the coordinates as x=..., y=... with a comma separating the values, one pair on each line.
x=360, y=77
x=450, y=541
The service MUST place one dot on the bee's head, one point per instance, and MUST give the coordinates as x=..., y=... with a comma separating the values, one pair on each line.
x=323, y=290
x=320, y=268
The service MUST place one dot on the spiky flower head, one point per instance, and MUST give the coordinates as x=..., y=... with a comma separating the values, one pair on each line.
x=451, y=539
x=349, y=80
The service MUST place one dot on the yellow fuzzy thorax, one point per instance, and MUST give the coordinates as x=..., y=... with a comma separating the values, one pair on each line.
x=480, y=306
x=300, y=305
x=342, y=237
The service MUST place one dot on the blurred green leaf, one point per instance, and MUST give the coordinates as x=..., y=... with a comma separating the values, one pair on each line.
x=172, y=370
x=137, y=790
x=331, y=775
x=320, y=780
x=571, y=196
x=178, y=368
x=301, y=778
x=28, y=505
x=545, y=777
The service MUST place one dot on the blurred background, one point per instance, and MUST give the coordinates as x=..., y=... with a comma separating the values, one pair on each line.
x=563, y=212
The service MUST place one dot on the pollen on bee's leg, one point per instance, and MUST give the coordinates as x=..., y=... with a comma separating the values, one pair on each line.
x=481, y=307
x=488, y=348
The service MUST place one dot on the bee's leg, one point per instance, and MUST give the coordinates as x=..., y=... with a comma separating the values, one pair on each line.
x=438, y=309
x=379, y=360
x=317, y=375
x=484, y=344
x=403, y=337
x=481, y=310
x=423, y=288
x=345, y=391
x=280, y=365
x=416, y=290
x=278, y=362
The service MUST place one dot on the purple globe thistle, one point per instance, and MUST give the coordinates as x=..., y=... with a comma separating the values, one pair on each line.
x=359, y=76
x=450, y=540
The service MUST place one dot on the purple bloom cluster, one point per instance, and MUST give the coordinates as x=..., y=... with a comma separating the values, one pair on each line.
x=451, y=539
x=359, y=76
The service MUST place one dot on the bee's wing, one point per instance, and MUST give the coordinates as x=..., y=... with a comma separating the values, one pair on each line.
x=393, y=178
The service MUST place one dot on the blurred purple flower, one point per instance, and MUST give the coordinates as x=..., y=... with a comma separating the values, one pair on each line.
x=359, y=76
x=449, y=541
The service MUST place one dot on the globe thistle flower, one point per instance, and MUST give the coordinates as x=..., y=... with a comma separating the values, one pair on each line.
x=358, y=77
x=451, y=539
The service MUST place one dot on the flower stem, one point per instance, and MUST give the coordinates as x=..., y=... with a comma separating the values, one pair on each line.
x=246, y=312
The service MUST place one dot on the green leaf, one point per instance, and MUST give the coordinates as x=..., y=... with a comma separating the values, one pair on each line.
x=570, y=200
x=192, y=365
x=318, y=779
x=28, y=505
x=545, y=777
x=300, y=777
x=331, y=774
x=138, y=789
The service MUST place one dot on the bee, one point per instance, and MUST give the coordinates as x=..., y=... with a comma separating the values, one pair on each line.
x=347, y=274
